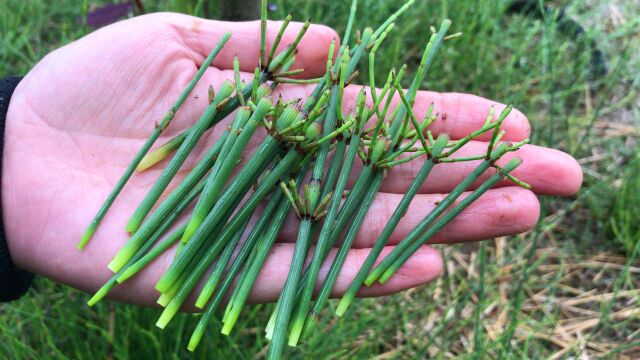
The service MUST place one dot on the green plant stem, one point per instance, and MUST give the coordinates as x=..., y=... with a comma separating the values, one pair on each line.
x=150, y=141
x=173, y=298
x=174, y=143
x=323, y=244
x=229, y=199
x=138, y=265
x=168, y=221
x=230, y=106
x=401, y=112
x=286, y=302
x=205, y=121
x=338, y=261
x=235, y=144
x=305, y=232
x=179, y=289
x=160, y=153
x=113, y=281
x=488, y=126
x=403, y=206
x=250, y=274
x=165, y=298
x=289, y=289
x=400, y=254
x=436, y=212
x=263, y=31
x=354, y=199
x=277, y=39
x=164, y=209
x=347, y=31
x=213, y=220
x=247, y=247
x=241, y=280
x=433, y=215
x=218, y=269
x=259, y=255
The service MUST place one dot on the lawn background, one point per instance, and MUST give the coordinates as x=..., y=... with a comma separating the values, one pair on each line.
x=568, y=288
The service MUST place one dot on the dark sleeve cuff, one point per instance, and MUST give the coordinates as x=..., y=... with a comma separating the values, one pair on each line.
x=14, y=282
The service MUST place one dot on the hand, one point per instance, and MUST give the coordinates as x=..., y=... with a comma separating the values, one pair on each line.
x=76, y=120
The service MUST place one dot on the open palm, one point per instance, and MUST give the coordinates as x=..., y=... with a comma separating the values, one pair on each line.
x=79, y=116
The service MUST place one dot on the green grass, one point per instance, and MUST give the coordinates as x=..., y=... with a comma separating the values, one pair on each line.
x=553, y=277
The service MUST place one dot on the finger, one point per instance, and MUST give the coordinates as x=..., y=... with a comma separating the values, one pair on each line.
x=424, y=266
x=458, y=114
x=548, y=171
x=201, y=35
x=498, y=212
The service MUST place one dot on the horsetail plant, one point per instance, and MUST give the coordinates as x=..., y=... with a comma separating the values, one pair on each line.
x=160, y=126
x=238, y=262
x=310, y=210
x=444, y=204
x=206, y=119
x=143, y=252
x=238, y=138
x=363, y=274
x=264, y=74
x=316, y=136
x=260, y=76
x=400, y=254
x=323, y=245
x=258, y=257
x=394, y=135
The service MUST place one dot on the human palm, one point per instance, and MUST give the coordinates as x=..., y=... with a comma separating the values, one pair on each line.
x=78, y=117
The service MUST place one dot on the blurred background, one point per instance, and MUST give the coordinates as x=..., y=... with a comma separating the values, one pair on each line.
x=568, y=289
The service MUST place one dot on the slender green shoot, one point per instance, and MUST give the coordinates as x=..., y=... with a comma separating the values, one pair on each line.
x=150, y=141
x=263, y=32
x=159, y=215
x=178, y=159
x=278, y=38
x=399, y=255
x=159, y=154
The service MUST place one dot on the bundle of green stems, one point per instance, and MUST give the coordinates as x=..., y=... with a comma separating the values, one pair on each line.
x=302, y=166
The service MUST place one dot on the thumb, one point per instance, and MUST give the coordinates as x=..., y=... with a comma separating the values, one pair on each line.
x=201, y=35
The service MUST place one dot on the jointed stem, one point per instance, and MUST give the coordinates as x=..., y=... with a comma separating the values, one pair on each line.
x=145, y=254
x=218, y=269
x=276, y=41
x=436, y=212
x=396, y=136
x=254, y=236
x=216, y=217
x=158, y=216
x=150, y=141
x=324, y=238
x=232, y=150
x=341, y=256
x=288, y=292
x=263, y=31
x=401, y=254
x=205, y=121
x=305, y=233
x=261, y=252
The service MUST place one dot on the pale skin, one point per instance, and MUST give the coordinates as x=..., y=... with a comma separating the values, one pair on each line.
x=78, y=117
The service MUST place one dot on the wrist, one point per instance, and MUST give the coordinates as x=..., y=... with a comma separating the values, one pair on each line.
x=14, y=282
